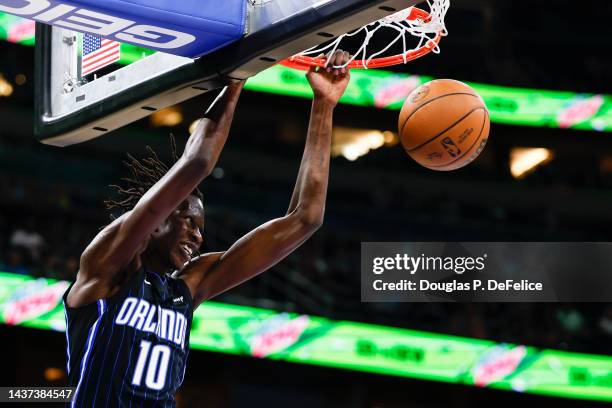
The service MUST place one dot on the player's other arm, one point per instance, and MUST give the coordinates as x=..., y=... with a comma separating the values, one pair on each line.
x=268, y=244
x=115, y=247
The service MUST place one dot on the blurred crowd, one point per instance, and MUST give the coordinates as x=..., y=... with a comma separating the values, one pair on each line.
x=38, y=235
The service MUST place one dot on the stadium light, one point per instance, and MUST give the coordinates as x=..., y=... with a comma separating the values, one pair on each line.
x=6, y=89
x=168, y=117
x=20, y=79
x=353, y=143
x=54, y=374
x=524, y=160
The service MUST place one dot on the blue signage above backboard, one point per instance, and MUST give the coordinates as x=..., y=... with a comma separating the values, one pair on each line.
x=189, y=28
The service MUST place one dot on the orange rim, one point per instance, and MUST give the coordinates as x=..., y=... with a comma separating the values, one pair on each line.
x=304, y=63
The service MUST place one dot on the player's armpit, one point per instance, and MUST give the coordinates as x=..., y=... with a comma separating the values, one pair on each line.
x=251, y=255
x=193, y=273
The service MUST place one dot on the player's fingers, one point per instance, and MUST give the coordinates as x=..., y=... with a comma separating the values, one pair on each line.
x=324, y=58
x=332, y=61
x=346, y=57
x=333, y=58
x=328, y=62
x=339, y=60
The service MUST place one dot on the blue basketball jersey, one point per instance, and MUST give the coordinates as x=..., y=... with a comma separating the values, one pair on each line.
x=130, y=349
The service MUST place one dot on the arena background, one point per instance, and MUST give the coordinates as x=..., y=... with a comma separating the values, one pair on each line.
x=51, y=207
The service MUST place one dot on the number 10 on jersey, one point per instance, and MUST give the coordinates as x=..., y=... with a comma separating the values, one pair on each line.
x=155, y=362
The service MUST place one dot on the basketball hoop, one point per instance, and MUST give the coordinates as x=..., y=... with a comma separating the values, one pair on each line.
x=427, y=26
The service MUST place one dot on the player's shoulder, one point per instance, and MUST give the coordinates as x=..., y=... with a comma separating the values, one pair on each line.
x=194, y=272
x=99, y=244
x=199, y=264
x=89, y=288
x=102, y=254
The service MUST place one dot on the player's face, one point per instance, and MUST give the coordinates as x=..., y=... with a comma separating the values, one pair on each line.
x=184, y=235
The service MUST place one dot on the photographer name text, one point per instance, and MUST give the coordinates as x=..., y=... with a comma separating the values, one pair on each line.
x=456, y=286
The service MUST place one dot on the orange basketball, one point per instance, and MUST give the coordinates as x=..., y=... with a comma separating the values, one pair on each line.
x=444, y=124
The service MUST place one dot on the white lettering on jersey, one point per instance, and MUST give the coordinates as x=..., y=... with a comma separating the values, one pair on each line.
x=139, y=314
x=126, y=310
x=149, y=325
x=166, y=325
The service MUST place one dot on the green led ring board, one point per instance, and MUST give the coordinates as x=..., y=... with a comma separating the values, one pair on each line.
x=70, y=108
x=304, y=339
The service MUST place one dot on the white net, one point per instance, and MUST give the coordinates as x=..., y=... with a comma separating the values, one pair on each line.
x=426, y=27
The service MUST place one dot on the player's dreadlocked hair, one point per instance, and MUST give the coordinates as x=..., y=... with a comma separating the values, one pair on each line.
x=145, y=173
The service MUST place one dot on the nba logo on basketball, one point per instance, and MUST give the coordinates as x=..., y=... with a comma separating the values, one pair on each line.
x=450, y=147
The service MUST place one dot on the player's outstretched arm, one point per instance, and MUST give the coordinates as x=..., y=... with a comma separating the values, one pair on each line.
x=116, y=246
x=268, y=244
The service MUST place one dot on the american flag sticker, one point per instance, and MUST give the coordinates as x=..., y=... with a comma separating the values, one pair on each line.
x=98, y=53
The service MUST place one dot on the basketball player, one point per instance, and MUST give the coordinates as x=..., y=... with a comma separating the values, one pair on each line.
x=129, y=311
